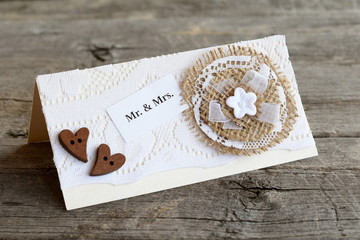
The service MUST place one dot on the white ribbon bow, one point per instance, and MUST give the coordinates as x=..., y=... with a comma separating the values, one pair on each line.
x=244, y=103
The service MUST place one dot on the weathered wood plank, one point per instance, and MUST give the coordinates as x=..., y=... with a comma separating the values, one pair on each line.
x=334, y=154
x=325, y=119
x=268, y=199
x=87, y=9
x=33, y=50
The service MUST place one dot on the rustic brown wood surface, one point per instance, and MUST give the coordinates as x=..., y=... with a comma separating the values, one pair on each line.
x=317, y=198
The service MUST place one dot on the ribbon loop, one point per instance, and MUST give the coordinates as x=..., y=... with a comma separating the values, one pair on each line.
x=215, y=113
x=270, y=113
x=255, y=80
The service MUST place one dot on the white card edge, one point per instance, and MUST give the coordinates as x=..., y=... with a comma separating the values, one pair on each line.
x=92, y=194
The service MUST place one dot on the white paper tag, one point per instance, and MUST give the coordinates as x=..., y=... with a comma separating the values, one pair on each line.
x=148, y=108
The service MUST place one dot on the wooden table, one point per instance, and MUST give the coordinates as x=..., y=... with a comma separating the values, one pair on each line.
x=317, y=198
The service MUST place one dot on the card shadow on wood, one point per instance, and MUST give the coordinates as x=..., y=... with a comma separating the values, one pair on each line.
x=39, y=178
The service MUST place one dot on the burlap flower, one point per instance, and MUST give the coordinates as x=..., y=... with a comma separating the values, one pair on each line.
x=236, y=127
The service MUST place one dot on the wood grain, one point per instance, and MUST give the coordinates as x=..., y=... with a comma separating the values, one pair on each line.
x=317, y=198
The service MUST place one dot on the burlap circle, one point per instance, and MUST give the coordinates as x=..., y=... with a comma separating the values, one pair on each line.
x=262, y=133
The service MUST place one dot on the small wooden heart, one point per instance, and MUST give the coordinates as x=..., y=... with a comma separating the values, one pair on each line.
x=105, y=162
x=76, y=143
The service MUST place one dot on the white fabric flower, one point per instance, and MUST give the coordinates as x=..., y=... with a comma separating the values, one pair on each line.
x=242, y=103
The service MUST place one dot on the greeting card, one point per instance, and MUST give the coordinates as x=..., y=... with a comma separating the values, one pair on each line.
x=133, y=128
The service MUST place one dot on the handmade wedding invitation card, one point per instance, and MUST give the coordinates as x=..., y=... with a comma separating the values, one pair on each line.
x=133, y=128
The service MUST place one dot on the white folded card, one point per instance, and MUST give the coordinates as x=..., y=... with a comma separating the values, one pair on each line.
x=177, y=119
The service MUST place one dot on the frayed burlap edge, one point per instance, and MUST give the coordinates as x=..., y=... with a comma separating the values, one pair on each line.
x=188, y=87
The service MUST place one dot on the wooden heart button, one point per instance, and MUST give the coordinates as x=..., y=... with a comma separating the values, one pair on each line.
x=76, y=143
x=105, y=162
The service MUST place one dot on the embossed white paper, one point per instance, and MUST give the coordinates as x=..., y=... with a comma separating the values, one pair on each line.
x=78, y=98
x=148, y=108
